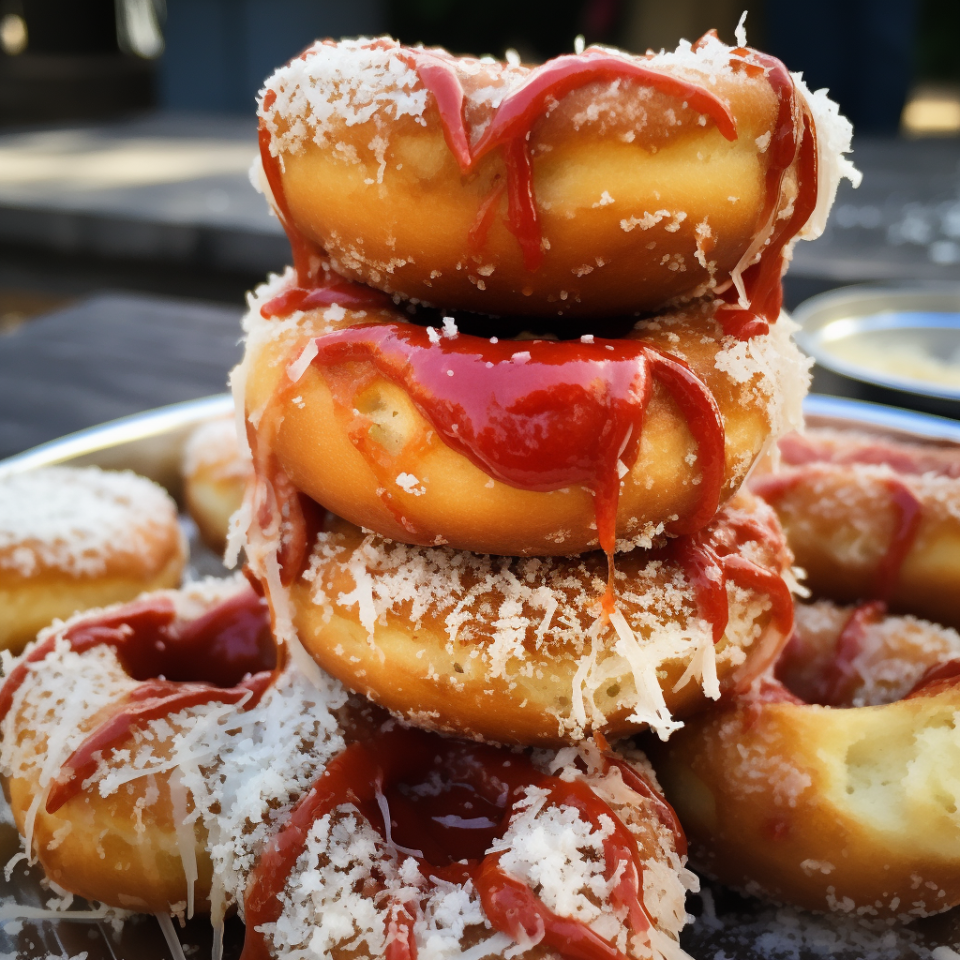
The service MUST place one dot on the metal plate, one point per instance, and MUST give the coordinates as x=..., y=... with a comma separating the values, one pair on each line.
x=727, y=925
x=904, y=345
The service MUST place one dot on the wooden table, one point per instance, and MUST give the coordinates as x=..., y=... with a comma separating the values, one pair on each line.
x=110, y=356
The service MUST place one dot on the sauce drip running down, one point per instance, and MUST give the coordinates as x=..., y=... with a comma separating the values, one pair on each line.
x=542, y=415
x=794, y=139
x=390, y=779
x=907, y=516
x=711, y=558
x=227, y=655
x=510, y=126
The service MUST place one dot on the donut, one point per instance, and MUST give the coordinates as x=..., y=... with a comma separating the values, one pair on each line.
x=863, y=531
x=843, y=808
x=214, y=478
x=75, y=538
x=410, y=845
x=295, y=796
x=823, y=445
x=106, y=695
x=429, y=435
x=861, y=656
x=595, y=184
x=517, y=650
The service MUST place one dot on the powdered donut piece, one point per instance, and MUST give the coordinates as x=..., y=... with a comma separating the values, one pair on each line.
x=844, y=808
x=593, y=185
x=517, y=651
x=345, y=402
x=74, y=538
x=214, y=477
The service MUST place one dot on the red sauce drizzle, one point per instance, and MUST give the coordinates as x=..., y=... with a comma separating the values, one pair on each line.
x=226, y=655
x=330, y=289
x=278, y=503
x=710, y=558
x=448, y=834
x=511, y=123
x=840, y=677
x=939, y=677
x=542, y=415
x=794, y=139
x=909, y=510
x=802, y=449
x=908, y=516
x=306, y=254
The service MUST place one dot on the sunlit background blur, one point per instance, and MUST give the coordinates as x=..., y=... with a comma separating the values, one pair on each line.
x=890, y=63
x=127, y=128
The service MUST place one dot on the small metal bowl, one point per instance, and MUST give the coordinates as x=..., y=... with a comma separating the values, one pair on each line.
x=892, y=346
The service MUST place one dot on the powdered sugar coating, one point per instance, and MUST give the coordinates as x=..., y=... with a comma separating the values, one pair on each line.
x=77, y=520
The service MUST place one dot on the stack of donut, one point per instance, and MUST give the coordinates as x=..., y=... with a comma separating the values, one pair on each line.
x=499, y=414
x=501, y=407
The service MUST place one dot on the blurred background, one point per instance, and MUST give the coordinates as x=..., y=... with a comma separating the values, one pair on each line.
x=127, y=128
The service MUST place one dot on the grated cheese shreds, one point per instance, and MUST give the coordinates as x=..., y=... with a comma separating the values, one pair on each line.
x=494, y=611
x=77, y=520
x=237, y=775
x=550, y=848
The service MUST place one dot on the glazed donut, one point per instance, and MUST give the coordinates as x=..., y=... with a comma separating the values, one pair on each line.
x=296, y=796
x=595, y=184
x=863, y=531
x=214, y=478
x=852, y=810
x=516, y=651
x=106, y=695
x=439, y=437
x=75, y=538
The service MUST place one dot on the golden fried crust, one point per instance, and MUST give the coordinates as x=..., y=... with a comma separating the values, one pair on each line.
x=455, y=500
x=121, y=850
x=76, y=538
x=849, y=810
x=634, y=211
x=840, y=521
x=30, y=604
x=500, y=648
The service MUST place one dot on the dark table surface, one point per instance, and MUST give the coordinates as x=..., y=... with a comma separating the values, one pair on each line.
x=107, y=357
